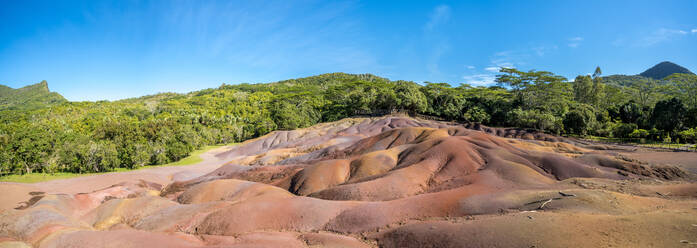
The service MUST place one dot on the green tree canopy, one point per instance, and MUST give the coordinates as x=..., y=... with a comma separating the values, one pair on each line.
x=668, y=114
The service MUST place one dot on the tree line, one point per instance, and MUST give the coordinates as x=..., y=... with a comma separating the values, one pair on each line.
x=100, y=136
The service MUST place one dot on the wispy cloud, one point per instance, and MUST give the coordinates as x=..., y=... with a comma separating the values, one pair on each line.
x=542, y=50
x=480, y=79
x=471, y=67
x=487, y=77
x=661, y=35
x=508, y=59
x=492, y=68
x=439, y=15
x=265, y=35
x=503, y=59
x=521, y=57
x=438, y=43
x=694, y=30
x=434, y=57
x=575, y=42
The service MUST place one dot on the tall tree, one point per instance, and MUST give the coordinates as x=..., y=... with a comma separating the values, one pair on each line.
x=444, y=101
x=579, y=119
x=590, y=89
x=686, y=85
x=597, y=98
x=668, y=115
x=630, y=112
x=583, y=89
x=409, y=97
x=597, y=72
x=646, y=91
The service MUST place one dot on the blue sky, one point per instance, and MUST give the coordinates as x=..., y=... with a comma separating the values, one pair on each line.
x=93, y=50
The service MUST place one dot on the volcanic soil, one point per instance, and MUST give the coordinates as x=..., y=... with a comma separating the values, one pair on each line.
x=374, y=182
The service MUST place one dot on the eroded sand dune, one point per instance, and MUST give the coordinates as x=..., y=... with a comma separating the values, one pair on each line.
x=389, y=182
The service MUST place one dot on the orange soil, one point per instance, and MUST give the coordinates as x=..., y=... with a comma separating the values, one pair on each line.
x=389, y=182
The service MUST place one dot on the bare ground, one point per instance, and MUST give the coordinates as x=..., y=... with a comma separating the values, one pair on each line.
x=388, y=182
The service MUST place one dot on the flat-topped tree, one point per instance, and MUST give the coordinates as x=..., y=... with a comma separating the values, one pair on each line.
x=535, y=89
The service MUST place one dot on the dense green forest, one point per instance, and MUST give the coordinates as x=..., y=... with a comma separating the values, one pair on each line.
x=45, y=133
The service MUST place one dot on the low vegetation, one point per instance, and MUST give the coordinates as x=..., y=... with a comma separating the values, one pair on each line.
x=193, y=158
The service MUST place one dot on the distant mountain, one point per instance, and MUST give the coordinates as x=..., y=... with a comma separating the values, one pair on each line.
x=29, y=97
x=664, y=69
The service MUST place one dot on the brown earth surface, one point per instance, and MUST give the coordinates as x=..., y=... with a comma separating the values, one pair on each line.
x=373, y=182
x=685, y=160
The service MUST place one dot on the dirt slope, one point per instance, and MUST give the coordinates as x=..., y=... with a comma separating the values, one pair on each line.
x=389, y=182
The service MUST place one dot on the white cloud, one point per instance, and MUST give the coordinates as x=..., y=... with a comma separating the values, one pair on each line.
x=575, y=42
x=542, y=50
x=661, y=35
x=439, y=15
x=507, y=59
x=471, y=67
x=439, y=44
x=480, y=79
x=437, y=51
x=501, y=54
x=492, y=69
x=694, y=30
x=519, y=57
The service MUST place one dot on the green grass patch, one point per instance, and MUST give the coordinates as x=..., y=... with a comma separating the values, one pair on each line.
x=193, y=158
x=38, y=177
x=644, y=143
x=604, y=139
x=666, y=145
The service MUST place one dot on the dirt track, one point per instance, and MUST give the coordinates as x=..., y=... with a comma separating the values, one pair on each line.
x=390, y=182
x=17, y=192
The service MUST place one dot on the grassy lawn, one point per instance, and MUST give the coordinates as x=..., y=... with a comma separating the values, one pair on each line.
x=663, y=145
x=193, y=158
x=652, y=144
x=38, y=177
x=603, y=139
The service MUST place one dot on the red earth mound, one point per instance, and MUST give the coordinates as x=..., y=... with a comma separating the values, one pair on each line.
x=390, y=182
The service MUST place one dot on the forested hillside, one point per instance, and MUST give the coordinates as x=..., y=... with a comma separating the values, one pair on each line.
x=157, y=129
x=28, y=97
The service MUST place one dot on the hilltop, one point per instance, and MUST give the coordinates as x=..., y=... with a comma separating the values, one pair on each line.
x=658, y=73
x=664, y=69
x=29, y=97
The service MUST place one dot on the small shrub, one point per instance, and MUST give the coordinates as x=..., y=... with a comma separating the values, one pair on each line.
x=639, y=133
x=623, y=130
